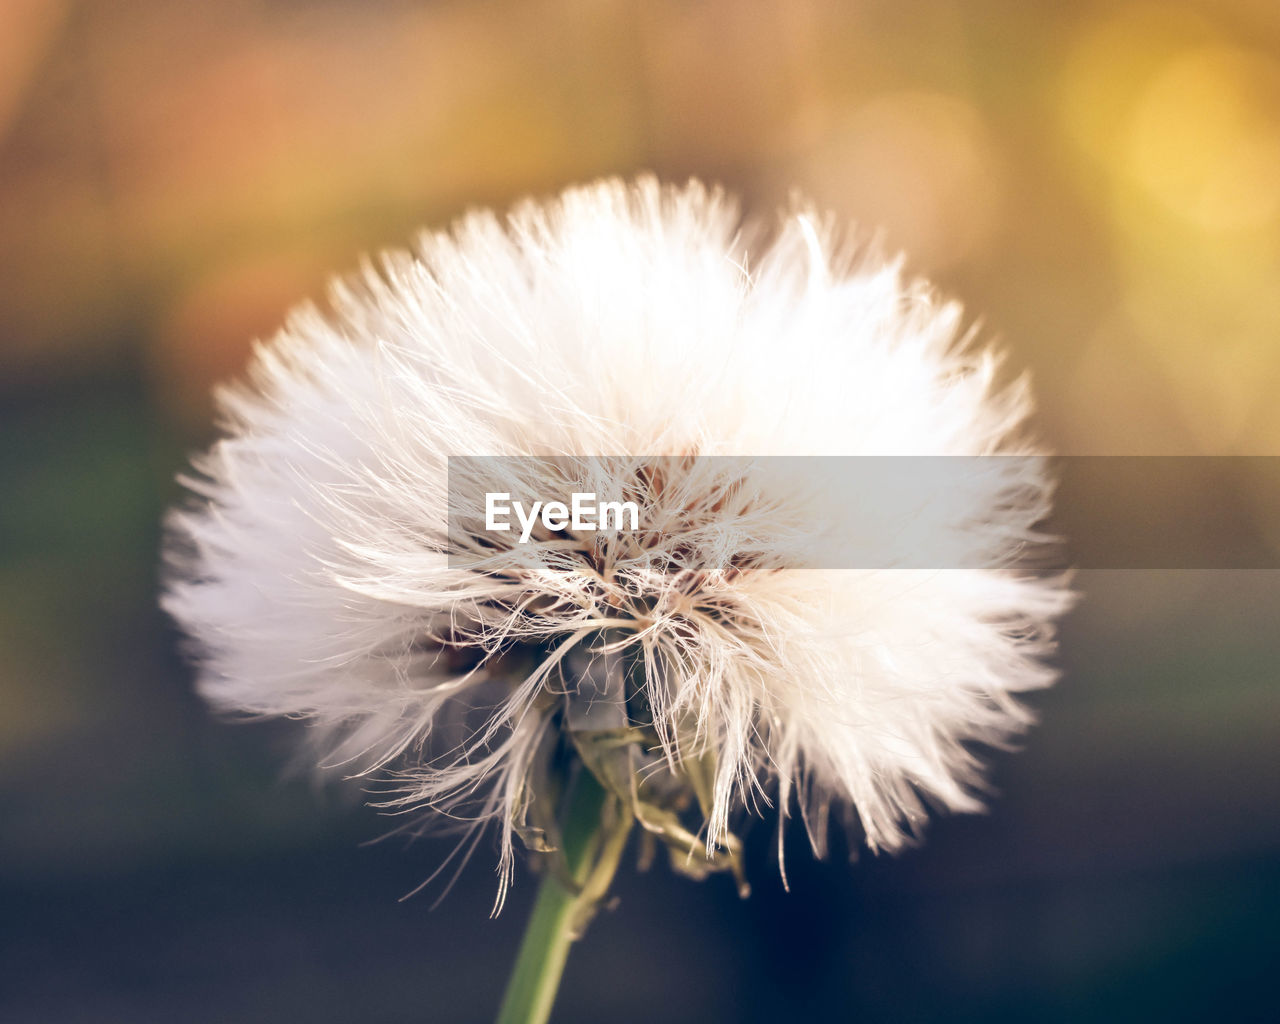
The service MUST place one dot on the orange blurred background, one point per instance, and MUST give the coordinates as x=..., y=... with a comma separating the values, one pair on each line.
x=1100, y=181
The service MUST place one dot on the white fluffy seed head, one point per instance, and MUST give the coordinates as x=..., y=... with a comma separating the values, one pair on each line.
x=629, y=321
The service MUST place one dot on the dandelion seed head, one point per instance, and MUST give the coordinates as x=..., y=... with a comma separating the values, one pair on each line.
x=619, y=332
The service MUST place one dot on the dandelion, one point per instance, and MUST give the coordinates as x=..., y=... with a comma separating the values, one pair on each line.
x=571, y=686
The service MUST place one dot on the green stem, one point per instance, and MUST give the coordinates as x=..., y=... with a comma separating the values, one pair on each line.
x=591, y=852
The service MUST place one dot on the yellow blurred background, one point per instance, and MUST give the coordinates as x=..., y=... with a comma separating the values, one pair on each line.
x=1098, y=181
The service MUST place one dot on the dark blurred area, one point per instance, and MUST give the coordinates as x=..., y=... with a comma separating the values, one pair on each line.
x=1099, y=181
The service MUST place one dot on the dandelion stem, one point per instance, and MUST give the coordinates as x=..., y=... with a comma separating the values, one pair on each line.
x=595, y=832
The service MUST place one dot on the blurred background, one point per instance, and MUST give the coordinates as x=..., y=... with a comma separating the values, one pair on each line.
x=1099, y=181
